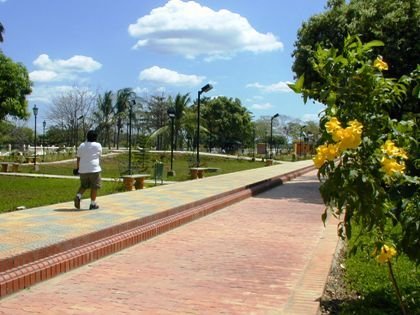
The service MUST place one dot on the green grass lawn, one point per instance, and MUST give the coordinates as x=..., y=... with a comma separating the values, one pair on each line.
x=33, y=192
x=369, y=279
x=114, y=166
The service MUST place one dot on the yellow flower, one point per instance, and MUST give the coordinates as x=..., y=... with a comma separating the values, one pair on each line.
x=347, y=138
x=391, y=166
x=318, y=161
x=356, y=126
x=391, y=150
x=350, y=139
x=331, y=151
x=387, y=252
x=332, y=125
x=326, y=152
x=337, y=134
x=380, y=64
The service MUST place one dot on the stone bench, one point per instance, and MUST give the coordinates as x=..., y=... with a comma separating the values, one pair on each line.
x=198, y=172
x=31, y=159
x=9, y=167
x=134, y=181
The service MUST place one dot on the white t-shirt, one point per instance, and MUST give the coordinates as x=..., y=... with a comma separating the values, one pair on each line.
x=89, y=154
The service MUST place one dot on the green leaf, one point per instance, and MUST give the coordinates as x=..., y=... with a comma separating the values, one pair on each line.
x=332, y=97
x=297, y=86
x=371, y=44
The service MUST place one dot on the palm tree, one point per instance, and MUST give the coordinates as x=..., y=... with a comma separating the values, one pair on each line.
x=181, y=104
x=121, y=108
x=104, y=116
x=1, y=32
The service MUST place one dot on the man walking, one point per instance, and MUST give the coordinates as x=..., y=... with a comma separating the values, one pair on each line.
x=89, y=169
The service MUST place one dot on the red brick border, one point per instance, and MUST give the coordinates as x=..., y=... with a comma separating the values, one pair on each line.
x=29, y=268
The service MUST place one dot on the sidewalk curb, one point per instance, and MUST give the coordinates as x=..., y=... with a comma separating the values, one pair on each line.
x=29, y=268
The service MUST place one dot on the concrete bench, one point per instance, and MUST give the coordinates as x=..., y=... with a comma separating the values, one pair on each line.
x=31, y=159
x=134, y=181
x=9, y=167
x=198, y=172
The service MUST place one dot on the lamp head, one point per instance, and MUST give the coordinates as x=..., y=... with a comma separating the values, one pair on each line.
x=206, y=88
x=171, y=112
x=44, y=123
x=275, y=116
x=35, y=110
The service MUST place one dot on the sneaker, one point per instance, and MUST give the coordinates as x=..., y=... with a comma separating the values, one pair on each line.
x=93, y=207
x=77, y=202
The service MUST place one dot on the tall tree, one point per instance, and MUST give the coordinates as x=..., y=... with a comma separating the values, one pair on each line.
x=1, y=32
x=104, y=117
x=157, y=107
x=228, y=122
x=394, y=22
x=14, y=87
x=181, y=104
x=124, y=96
x=70, y=110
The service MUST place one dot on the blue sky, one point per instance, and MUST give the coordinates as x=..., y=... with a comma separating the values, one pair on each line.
x=242, y=47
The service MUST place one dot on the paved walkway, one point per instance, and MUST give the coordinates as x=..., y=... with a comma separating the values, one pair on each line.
x=269, y=254
x=38, y=227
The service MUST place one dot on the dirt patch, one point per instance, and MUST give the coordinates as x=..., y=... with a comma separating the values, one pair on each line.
x=336, y=292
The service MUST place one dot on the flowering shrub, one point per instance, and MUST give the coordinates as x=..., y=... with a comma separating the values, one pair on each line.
x=386, y=254
x=368, y=162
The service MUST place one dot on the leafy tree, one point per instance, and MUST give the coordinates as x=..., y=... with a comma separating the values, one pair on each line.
x=181, y=104
x=228, y=123
x=369, y=162
x=14, y=87
x=394, y=22
x=104, y=117
x=157, y=107
x=14, y=134
x=1, y=32
x=124, y=96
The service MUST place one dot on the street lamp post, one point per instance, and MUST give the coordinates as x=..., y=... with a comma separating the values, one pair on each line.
x=253, y=143
x=271, y=134
x=172, y=114
x=130, y=114
x=35, y=111
x=301, y=144
x=77, y=129
x=286, y=131
x=204, y=89
x=44, y=123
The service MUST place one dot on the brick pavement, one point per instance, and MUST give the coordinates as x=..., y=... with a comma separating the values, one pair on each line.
x=268, y=254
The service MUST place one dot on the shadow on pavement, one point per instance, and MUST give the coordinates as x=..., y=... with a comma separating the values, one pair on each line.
x=305, y=189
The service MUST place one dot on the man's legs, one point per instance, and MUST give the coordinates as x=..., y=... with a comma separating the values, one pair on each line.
x=93, y=193
x=78, y=197
x=93, y=205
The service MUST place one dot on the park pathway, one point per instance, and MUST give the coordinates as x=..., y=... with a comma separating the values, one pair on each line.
x=267, y=254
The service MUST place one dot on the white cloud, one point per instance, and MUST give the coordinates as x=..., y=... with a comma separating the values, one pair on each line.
x=170, y=77
x=263, y=106
x=43, y=75
x=62, y=70
x=45, y=94
x=271, y=88
x=191, y=30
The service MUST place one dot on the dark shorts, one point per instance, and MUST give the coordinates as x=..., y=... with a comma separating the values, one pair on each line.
x=90, y=180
